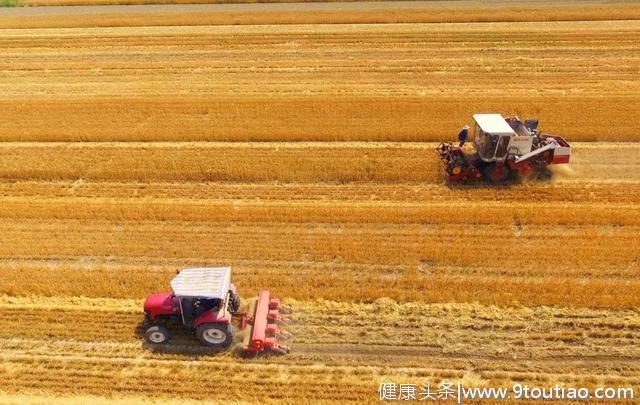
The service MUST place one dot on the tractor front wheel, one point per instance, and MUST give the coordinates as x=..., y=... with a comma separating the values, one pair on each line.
x=157, y=335
x=215, y=334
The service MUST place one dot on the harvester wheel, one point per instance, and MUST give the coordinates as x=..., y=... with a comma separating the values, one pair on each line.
x=280, y=350
x=157, y=335
x=491, y=173
x=219, y=335
x=545, y=174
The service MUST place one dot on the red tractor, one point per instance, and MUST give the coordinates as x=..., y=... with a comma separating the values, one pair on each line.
x=504, y=148
x=204, y=301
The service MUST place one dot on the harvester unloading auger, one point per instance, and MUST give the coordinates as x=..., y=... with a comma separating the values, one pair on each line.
x=504, y=148
x=205, y=301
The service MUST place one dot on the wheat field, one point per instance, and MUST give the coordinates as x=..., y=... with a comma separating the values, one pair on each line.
x=327, y=82
x=302, y=154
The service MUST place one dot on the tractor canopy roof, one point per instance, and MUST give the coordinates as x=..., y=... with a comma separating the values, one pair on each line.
x=493, y=124
x=212, y=282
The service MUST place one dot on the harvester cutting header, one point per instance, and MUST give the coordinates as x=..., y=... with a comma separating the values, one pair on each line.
x=204, y=301
x=504, y=147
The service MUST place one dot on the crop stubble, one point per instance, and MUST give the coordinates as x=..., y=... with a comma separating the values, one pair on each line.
x=91, y=229
x=343, y=351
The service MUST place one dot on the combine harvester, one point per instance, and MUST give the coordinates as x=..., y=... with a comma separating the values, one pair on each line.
x=204, y=301
x=504, y=149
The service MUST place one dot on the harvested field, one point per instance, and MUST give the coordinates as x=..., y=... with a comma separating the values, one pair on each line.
x=335, y=358
x=303, y=156
x=78, y=256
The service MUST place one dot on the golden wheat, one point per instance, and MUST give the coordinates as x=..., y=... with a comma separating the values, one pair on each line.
x=409, y=82
x=395, y=275
x=566, y=242
x=335, y=162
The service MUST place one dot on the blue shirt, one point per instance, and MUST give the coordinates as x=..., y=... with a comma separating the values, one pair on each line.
x=462, y=136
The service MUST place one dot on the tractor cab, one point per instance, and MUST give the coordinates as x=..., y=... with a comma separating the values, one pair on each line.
x=204, y=299
x=492, y=137
x=204, y=291
x=191, y=308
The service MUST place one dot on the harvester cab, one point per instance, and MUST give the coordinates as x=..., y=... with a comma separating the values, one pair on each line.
x=204, y=301
x=493, y=137
x=502, y=148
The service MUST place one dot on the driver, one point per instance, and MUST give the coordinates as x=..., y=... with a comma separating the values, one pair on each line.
x=463, y=135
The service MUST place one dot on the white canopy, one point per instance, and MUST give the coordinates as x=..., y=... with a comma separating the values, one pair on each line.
x=493, y=124
x=202, y=282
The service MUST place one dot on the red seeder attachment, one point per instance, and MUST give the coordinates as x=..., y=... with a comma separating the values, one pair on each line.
x=265, y=326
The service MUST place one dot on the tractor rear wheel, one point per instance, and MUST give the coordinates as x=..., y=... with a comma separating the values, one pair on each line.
x=157, y=335
x=218, y=335
x=491, y=173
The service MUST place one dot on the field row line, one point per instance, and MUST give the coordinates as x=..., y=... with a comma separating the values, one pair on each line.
x=382, y=308
x=321, y=211
x=564, y=190
x=39, y=27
